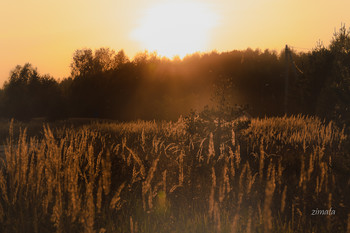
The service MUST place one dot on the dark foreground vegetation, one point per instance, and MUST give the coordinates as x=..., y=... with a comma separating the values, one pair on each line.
x=106, y=84
x=259, y=175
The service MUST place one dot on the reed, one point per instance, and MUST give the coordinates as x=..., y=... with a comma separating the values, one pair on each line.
x=156, y=177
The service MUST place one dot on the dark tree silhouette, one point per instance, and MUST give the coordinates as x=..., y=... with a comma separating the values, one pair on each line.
x=107, y=84
x=27, y=94
x=330, y=78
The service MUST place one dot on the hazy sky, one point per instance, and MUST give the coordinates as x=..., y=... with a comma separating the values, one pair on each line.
x=47, y=32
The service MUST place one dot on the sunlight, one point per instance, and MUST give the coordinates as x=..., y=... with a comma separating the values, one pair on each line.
x=176, y=28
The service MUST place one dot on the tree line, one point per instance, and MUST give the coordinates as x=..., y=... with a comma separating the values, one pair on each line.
x=107, y=84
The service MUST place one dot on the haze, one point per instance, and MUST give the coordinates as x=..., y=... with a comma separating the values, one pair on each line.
x=46, y=33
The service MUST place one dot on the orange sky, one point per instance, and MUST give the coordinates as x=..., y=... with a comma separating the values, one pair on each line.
x=46, y=32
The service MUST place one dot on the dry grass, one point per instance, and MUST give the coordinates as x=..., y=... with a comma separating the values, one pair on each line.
x=154, y=177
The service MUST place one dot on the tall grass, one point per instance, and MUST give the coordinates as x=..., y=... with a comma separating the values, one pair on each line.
x=156, y=177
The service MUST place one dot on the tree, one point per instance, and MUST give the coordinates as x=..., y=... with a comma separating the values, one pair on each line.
x=87, y=63
x=120, y=59
x=17, y=99
x=82, y=63
x=335, y=96
x=27, y=94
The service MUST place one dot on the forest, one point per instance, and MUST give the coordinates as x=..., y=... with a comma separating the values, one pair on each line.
x=108, y=85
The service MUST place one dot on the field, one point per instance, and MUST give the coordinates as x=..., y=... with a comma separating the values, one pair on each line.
x=282, y=174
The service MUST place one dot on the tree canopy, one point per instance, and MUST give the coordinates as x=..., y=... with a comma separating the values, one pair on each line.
x=107, y=84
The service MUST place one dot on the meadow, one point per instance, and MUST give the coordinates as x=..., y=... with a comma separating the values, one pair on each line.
x=280, y=174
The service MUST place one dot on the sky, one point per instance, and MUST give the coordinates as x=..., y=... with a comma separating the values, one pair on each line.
x=47, y=32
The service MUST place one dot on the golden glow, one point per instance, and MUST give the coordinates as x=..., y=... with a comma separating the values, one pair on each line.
x=177, y=28
x=46, y=33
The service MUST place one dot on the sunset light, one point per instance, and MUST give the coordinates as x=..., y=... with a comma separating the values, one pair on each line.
x=174, y=116
x=177, y=28
x=46, y=33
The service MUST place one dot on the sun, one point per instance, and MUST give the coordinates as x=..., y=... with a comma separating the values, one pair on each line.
x=176, y=28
